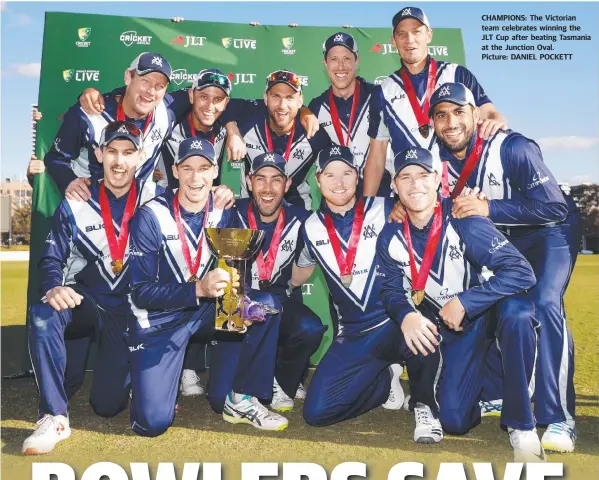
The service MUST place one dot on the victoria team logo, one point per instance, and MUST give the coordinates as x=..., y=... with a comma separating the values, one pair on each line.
x=288, y=43
x=132, y=38
x=83, y=34
x=188, y=41
x=246, y=43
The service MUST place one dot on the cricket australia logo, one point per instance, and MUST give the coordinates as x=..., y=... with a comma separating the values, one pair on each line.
x=406, y=11
x=493, y=181
x=287, y=246
x=369, y=232
x=157, y=61
x=454, y=253
x=196, y=144
x=411, y=154
x=339, y=38
x=444, y=91
x=156, y=135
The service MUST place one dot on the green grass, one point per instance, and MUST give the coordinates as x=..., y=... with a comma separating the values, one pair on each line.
x=15, y=248
x=379, y=438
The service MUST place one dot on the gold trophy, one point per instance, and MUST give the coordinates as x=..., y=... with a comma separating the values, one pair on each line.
x=233, y=247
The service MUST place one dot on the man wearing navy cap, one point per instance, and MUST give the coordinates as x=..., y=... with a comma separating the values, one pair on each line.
x=343, y=109
x=524, y=201
x=71, y=160
x=278, y=128
x=172, y=298
x=431, y=266
x=301, y=330
x=401, y=113
x=355, y=376
x=84, y=273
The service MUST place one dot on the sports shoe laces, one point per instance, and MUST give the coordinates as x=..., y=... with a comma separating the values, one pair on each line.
x=423, y=416
x=47, y=422
x=263, y=412
x=562, y=427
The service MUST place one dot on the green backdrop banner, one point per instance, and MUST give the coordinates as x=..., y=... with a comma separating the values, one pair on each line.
x=83, y=50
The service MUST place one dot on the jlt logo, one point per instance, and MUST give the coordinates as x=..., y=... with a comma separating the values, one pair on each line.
x=189, y=41
x=237, y=78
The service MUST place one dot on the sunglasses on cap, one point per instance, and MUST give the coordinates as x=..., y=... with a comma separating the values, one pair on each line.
x=284, y=76
x=212, y=78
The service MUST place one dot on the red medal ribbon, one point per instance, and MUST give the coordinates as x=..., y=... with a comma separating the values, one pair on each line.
x=421, y=113
x=193, y=269
x=419, y=277
x=335, y=114
x=120, y=116
x=266, y=265
x=346, y=263
x=193, y=130
x=289, y=141
x=469, y=166
x=117, y=245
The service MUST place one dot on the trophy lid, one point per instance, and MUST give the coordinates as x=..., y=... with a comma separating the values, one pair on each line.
x=236, y=243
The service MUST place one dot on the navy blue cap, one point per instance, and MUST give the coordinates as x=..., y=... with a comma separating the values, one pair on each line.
x=410, y=12
x=415, y=156
x=457, y=93
x=269, y=159
x=149, y=62
x=212, y=77
x=343, y=40
x=123, y=131
x=195, y=147
x=330, y=154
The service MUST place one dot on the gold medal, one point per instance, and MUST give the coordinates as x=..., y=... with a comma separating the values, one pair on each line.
x=346, y=280
x=117, y=266
x=192, y=279
x=417, y=296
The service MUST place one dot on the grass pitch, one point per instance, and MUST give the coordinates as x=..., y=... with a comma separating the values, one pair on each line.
x=380, y=438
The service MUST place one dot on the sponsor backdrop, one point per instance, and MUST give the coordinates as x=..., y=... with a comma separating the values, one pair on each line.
x=94, y=50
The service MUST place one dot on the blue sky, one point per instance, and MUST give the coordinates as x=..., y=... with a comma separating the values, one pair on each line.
x=556, y=103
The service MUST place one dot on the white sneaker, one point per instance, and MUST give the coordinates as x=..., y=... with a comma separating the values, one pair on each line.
x=526, y=445
x=252, y=412
x=301, y=392
x=396, y=395
x=280, y=400
x=491, y=408
x=560, y=437
x=428, y=428
x=51, y=430
x=191, y=384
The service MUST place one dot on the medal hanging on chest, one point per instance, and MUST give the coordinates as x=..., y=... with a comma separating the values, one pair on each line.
x=117, y=245
x=270, y=145
x=469, y=166
x=195, y=266
x=421, y=113
x=346, y=262
x=335, y=115
x=419, y=277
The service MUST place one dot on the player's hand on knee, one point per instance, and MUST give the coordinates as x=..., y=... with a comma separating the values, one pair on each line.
x=92, y=101
x=214, y=284
x=78, y=189
x=453, y=313
x=61, y=298
x=224, y=198
x=398, y=213
x=419, y=333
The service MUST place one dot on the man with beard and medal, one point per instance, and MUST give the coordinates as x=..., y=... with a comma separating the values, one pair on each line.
x=84, y=273
x=400, y=114
x=355, y=374
x=301, y=329
x=343, y=109
x=173, y=291
x=277, y=128
x=523, y=199
x=423, y=283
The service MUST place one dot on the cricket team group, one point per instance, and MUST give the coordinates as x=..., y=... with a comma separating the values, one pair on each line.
x=445, y=242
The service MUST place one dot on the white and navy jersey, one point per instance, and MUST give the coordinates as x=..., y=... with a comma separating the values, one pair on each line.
x=358, y=306
x=512, y=174
x=392, y=115
x=465, y=246
x=250, y=121
x=289, y=249
x=160, y=291
x=72, y=153
x=77, y=251
x=180, y=132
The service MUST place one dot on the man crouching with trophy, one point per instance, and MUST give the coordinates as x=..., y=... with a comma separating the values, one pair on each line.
x=173, y=296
